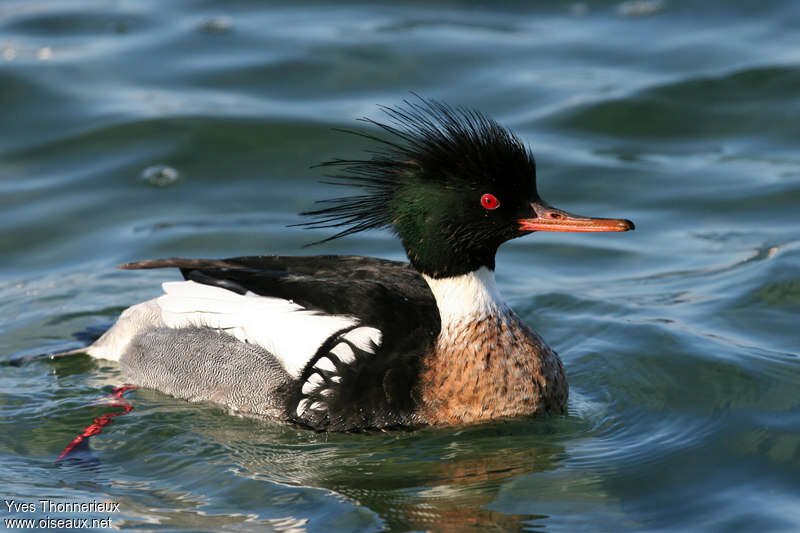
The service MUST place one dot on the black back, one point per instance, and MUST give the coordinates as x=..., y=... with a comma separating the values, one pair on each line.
x=376, y=390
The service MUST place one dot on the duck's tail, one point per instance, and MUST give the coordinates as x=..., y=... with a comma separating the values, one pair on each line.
x=19, y=361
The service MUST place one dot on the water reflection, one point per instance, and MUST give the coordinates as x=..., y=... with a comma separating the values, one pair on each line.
x=439, y=480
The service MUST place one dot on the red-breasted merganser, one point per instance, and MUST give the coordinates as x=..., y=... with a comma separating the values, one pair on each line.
x=348, y=342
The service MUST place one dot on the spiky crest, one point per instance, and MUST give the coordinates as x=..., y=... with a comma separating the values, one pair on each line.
x=430, y=143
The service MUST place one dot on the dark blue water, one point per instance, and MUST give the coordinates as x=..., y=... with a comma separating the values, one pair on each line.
x=680, y=339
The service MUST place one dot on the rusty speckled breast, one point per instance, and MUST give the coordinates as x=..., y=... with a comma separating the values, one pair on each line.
x=490, y=367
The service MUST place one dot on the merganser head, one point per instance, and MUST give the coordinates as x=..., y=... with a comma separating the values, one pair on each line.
x=452, y=184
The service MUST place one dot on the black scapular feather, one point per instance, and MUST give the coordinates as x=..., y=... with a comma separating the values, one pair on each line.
x=429, y=141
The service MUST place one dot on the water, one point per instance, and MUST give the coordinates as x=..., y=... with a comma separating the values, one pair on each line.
x=680, y=339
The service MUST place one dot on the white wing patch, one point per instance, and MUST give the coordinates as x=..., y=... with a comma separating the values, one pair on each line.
x=364, y=338
x=290, y=332
x=325, y=364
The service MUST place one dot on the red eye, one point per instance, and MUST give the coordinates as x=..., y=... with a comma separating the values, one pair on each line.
x=490, y=201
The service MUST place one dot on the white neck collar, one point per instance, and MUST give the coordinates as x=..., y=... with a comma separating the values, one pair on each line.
x=468, y=296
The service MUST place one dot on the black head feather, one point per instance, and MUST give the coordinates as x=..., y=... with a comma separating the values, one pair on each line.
x=425, y=182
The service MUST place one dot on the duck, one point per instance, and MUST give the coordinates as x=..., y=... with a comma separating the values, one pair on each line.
x=350, y=343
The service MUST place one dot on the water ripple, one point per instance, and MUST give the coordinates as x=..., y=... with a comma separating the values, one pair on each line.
x=679, y=339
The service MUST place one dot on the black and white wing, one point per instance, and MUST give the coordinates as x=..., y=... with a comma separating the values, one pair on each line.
x=349, y=330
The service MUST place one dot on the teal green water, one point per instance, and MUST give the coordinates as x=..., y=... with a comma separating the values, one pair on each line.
x=680, y=339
